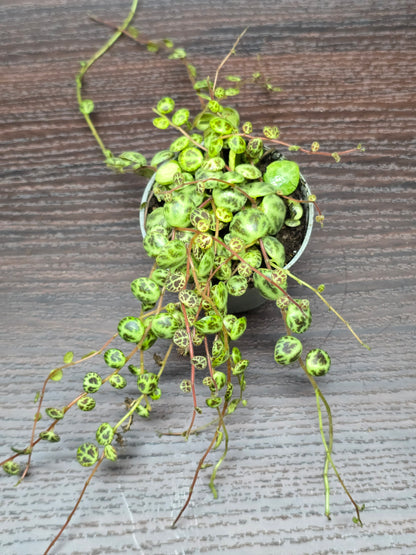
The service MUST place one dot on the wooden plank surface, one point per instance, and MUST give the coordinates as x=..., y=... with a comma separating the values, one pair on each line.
x=70, y=246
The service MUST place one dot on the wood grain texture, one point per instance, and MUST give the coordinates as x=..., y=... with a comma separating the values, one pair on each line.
x=70, y=246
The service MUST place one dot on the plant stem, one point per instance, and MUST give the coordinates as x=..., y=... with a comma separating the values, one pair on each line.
x=71, y=514
x=191, y=488
x=331, y=308
x=232, y=51
x=86, y=66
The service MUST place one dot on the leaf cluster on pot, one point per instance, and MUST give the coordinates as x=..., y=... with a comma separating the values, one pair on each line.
x=224, y=217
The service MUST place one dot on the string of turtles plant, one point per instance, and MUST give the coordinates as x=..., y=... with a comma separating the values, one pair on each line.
x=211, y=232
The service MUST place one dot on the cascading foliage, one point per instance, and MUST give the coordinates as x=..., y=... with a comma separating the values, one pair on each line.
x=218, y=201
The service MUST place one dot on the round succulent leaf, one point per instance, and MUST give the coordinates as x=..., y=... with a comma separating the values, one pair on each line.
x=298, y=320
x=131, y=329
x=177, y=212
x=317, y=362
x=206, y=263
x=117, y=381
x=161, y=156
x=114, y=358
x=147, y=382
x=235, y=355
x=11, y=467
x=50, y=436
x=181, y=339
x=92, y=382
x=220, y=358
x=155, y=221
x=165, y=174
x=200, y=362
x=223, y=266
x=54, y=413
x=220, y=379
x=191, y=191
x=209, y=178
x=265, y=288
x=256, y=189
x=221, y=126
x=231, y=199
x=249, y=225
x=189, y=298
x=110, y=453
x=237, y=285
x=180, y=117
x=240, y=367
x=172, y=256
x=56, y=375
x=165, y=105
x=219, y=295
x=214, y=402
x=236, y=144
x=86, y=404
x=201, y=219
x=283, y=175
x=156, y=394
x=214, y=164
x=255, y=148
x=253, y=257
x=238, y=328
x=233, y=177
x=290, y=222
x=228, y=392
x=154, y=243
x=105, y=434
x=248, y=171
x=175, y=282
x=190, y=159
x=137, y=159
x=209, y=324
x=179, y=144
x=275, y=250
x=146, y=290
x=295, y=210
x=287, y=350
x=229, y=321
x=148, y=341
x=275, y=210
x=87, y=454
x=161, y=122
x=217, y=347
x=232, y=115
x=143, y=411
x=164, y=325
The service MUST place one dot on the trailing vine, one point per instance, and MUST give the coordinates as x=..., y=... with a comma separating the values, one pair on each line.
x=220, y=196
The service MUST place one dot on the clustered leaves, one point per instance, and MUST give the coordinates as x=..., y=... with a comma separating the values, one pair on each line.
x=218, y=199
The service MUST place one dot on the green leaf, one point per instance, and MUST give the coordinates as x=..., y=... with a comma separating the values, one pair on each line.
x=152, y=47
x=209, y=324
x=133, y=31
x=68, y=357
x=283, y=175
x=56, y=375
x=86, y=106
x=177, y=54
x=221, y=126
x=191, y=69
x=233, y=78
x=135, y=157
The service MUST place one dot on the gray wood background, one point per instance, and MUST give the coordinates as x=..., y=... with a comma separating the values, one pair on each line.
x=70, y=246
